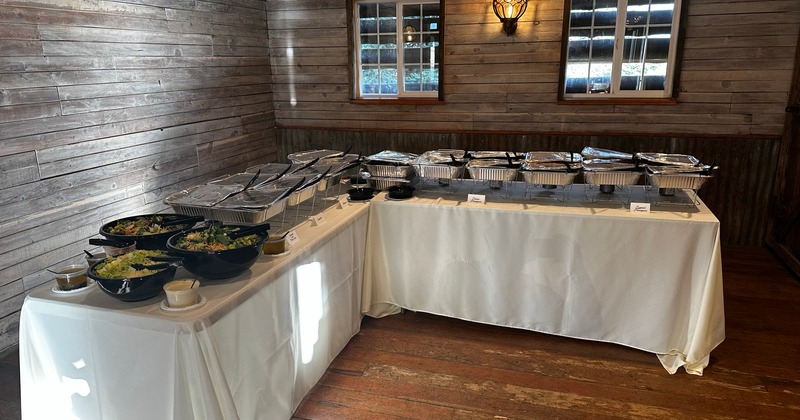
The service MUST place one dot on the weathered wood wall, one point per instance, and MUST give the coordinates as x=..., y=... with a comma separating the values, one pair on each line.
x=106, y=107
x=736, y=72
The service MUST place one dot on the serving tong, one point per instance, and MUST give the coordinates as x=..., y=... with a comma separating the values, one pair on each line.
x=248, y=185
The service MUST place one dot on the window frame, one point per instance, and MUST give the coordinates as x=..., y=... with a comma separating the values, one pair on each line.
x=666, y=96
x=412, y=97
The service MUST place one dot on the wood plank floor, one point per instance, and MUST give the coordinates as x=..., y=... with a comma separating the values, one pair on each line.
x=420, y=366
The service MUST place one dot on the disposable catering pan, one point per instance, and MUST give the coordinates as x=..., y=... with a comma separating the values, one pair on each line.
x=309, y=155
x=549, y=177
x=440, y=170
x=390, y=171
x=492, y=170
x=441, y=164
x=678, y=180
x=611, y=177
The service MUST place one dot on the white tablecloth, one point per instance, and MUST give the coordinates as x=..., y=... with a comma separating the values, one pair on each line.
x=652, y=281
x=254, y=350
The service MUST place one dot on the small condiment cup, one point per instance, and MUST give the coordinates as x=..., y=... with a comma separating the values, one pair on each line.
x=275, y=245
x=71, y=277
x=182, y=293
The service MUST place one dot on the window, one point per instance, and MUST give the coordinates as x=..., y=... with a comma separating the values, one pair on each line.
x=397, y=49
x=620, y=49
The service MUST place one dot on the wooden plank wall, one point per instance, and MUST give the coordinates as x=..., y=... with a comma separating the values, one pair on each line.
x=106, y=107
x=736, y=72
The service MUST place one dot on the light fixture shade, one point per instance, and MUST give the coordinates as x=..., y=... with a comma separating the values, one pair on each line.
x=509, y=11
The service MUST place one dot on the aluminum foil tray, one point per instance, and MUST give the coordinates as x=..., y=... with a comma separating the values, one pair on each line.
x=681, y=181
x=390, y=171
x=669, y=159
x=549, y=177
x=597, y=153
x=492, y=170
x=553, y=157
x=228, y=215
x=391, y=156
x=440, y=171
x=301, y=195
x=309, y=155
x=384, y=183
x=611, y=177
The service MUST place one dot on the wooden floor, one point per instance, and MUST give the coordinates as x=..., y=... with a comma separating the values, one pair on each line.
x=419, y=366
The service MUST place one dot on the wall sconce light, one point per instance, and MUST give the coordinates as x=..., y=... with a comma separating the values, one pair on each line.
x=408, y=31
x=509, y=11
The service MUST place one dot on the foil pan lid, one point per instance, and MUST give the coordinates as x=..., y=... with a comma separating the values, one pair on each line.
x=441, y=156
x=253, y=199
x=272, y=168
x=677, y=169
x=597, y=153
x=673, y=159
x=551, y=166
x=496, y=154
x=488, y=163
x=391, y=156
x=203, y=195
x=553, y=157
x=605, y=165
x=309, y=155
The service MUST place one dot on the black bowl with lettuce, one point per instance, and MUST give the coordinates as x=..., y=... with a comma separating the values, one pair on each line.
x=219, y=251
x=150, y=231
x=135, y=276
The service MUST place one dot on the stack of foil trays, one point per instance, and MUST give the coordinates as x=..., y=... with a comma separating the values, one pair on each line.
x=609, y=168
x=389, y=168
x=551, y=169
x=668, y=171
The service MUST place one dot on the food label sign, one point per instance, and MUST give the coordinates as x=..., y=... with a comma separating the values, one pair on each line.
x=640, y=207
x=292, y=238
x=476, y=198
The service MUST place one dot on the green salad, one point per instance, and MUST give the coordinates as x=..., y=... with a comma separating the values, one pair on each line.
x=119, y=267
x=215, y=238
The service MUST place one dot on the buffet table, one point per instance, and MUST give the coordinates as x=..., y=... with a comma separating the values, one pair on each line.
x=595, y=271
x=262, y=340
x=255, y=348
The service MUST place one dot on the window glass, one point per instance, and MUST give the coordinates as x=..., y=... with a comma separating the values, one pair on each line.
x=624, y=57
x=398, y=48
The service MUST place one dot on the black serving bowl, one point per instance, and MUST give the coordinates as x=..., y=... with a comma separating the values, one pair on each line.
x=400, y=192
x=361, y=193
x=133, y=289
x=154, y=240
x=217, y=264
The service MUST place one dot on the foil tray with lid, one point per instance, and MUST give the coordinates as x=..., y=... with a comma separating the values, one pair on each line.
x=597, y=153
x=441, y=164
x=492, y=170
x=247, y=207
x=601, y=171
x=405, y=171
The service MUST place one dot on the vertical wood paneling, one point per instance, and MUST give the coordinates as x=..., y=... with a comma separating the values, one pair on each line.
x=108, y=107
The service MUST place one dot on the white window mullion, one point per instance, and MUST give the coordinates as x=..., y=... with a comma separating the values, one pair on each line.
x=619, y=45
x=399, y=41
